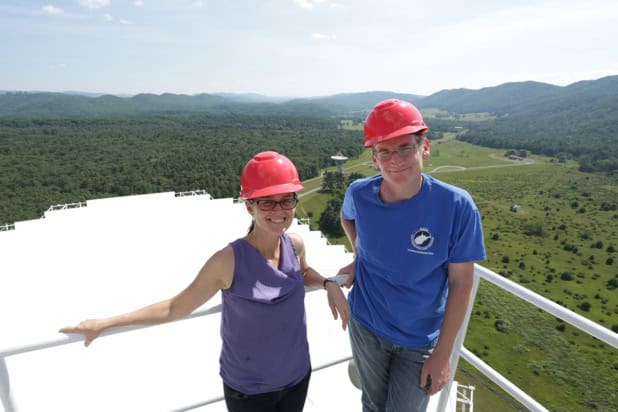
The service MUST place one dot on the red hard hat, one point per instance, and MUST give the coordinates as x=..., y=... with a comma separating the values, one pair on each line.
x=269, y=173
x=392, y=118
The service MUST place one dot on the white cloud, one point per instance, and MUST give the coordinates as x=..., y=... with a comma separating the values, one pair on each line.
x=525, y=21
x=321, y=36
x=305, y=4
x=309, y=4
x=197, y=3
x=53, y=11
x=126, y=22
x=58, y=66
x=139, y=3
x=107, y=17
x=94, y=4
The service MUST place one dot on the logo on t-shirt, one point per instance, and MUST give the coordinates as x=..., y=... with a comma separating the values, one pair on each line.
x=422, y=239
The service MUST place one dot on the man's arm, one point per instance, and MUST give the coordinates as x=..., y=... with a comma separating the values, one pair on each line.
x=349, y=227
x=438, y=365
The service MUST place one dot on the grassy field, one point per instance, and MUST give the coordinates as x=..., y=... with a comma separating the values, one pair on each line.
x=443, y=114
x=561, y=242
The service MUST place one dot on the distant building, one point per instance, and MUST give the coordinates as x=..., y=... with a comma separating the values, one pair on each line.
x=339, y=160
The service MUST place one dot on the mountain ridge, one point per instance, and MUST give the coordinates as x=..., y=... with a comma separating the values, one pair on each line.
x=507, y=98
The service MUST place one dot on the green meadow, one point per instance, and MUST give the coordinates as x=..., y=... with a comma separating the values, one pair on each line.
x=554, y=230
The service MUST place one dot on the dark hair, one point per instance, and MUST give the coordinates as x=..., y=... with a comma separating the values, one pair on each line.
x=251, y=227
x=420, y=138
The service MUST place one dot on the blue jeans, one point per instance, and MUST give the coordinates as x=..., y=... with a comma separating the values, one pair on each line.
x=390, y=374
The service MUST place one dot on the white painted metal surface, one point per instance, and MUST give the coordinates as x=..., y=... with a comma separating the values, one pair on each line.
x=113, y=255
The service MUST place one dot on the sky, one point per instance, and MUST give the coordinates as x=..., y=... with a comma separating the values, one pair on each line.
x=302, y=48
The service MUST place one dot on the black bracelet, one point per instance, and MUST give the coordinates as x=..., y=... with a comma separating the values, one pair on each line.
x=326, y=281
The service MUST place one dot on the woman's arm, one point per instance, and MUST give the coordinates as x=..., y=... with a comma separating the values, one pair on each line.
x=337, y=301
x=215, y=275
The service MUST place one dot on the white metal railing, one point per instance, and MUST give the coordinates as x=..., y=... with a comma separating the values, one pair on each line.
x=220, y=398
x=465, y=398
x=539, y=301
x=547, y=305
x=5, y=387
x=200, y=192
x=7, y=226
x=67, y=206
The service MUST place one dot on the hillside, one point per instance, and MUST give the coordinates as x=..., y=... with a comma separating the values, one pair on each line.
x=499, y=100
x=506, y=99
x=538, y=117
x=575, y=122
x=62, y=105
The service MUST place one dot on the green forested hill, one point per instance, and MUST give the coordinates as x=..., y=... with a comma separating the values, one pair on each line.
x=357, y=104
x=579, y=121
x=63, y=105
x=503, y=100
x=46, y=161
x=497, y=100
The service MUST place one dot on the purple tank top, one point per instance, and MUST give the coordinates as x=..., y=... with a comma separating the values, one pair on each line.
x=263, y=324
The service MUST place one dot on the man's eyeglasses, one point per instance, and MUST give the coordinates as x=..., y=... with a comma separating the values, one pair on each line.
x=268, y=204
x=402, y=152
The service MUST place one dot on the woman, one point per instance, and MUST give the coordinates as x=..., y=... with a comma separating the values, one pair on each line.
x=265, y=363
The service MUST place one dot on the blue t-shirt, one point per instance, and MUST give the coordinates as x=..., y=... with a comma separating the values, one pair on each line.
x=403, y=252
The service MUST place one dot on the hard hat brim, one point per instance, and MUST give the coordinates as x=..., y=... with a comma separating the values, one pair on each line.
x=273, y=190
x=397, y=133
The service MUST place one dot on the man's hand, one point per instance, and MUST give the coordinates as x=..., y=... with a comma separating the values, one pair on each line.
x=436, y=372
x=348, y=270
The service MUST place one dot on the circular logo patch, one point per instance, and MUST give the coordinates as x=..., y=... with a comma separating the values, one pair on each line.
x=422, y=239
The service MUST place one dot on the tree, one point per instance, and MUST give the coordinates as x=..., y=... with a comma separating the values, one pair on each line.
x=330, y=223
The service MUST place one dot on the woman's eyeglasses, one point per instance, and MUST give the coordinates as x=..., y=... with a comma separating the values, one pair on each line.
x=268, y=204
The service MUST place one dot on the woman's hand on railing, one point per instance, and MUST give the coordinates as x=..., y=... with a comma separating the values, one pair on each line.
x=338, y=303
x=90, y=328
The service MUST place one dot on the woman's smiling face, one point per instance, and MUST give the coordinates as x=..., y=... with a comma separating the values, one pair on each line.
x=273, y=213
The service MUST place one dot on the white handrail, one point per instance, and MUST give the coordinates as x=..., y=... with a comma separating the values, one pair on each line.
x=567, y=315
x=70, y=338
x=549, y=306
x=220, y=398
x=501, y=381
x=459, y=343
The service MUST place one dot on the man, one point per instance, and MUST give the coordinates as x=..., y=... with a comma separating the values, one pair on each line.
x=415, y=241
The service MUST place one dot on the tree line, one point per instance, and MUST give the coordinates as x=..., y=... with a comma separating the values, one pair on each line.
x=46, y=161
x=593, y=144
